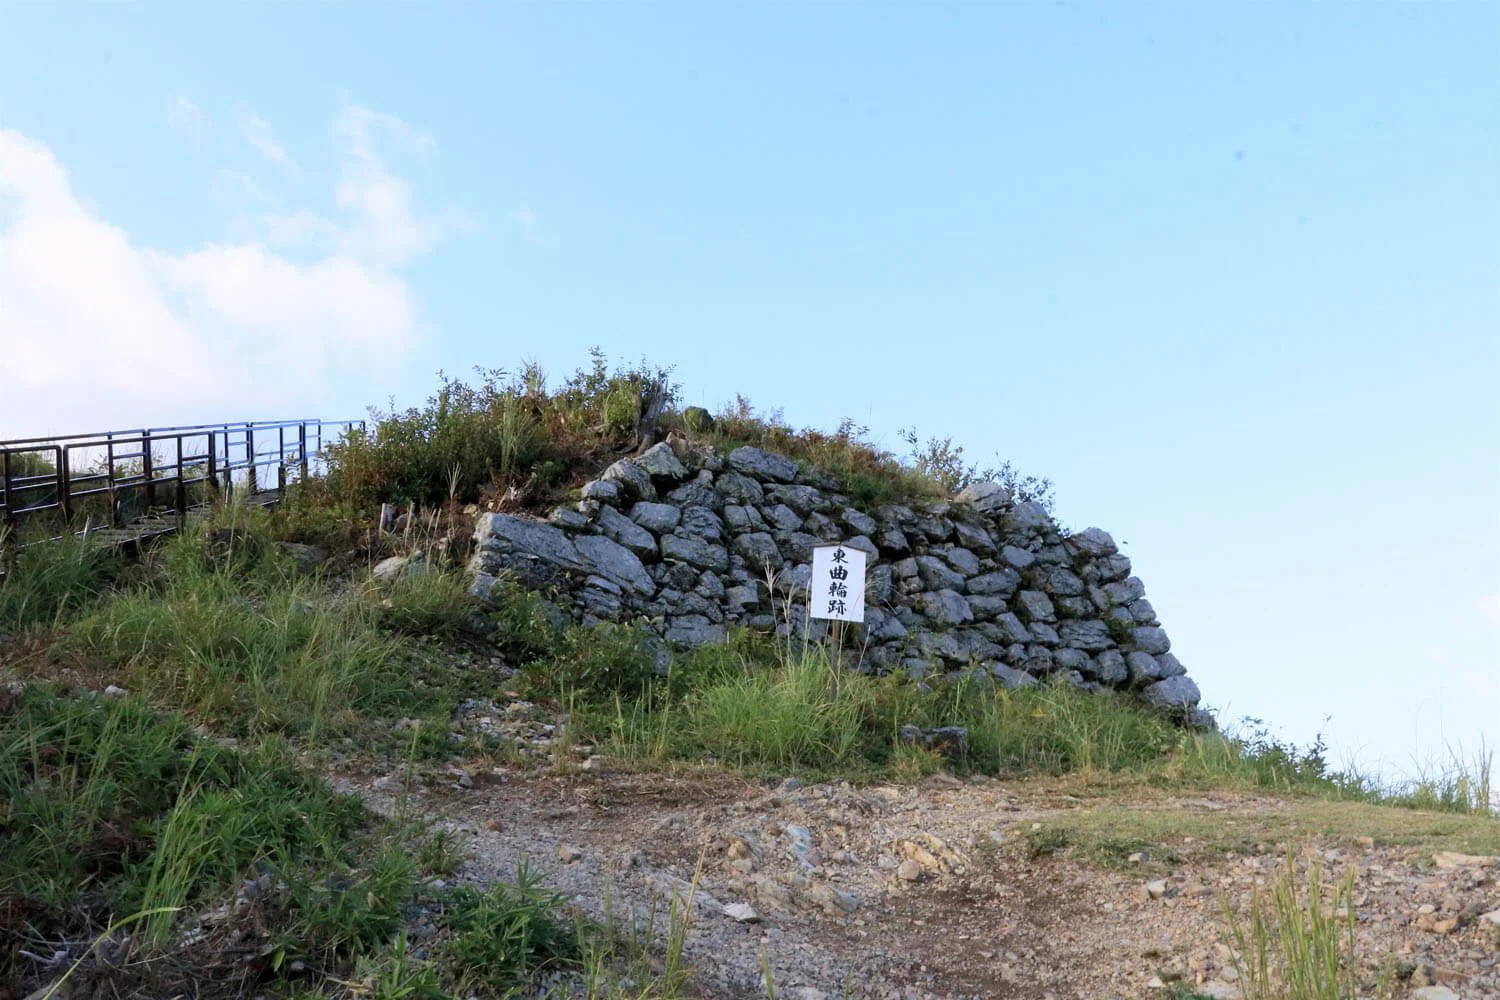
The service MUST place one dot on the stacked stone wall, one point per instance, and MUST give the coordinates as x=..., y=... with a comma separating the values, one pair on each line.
x=689, y=542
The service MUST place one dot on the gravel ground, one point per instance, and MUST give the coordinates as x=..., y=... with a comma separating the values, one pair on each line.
x=936, y=890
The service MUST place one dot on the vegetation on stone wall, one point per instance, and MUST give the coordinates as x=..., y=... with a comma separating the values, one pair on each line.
x=513, y=438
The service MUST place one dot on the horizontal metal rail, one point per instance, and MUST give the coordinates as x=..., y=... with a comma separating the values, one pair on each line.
x=115, y=478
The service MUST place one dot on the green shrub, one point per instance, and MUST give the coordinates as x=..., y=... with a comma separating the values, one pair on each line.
x=502, y=934
x=502, y=431
x=600, y=660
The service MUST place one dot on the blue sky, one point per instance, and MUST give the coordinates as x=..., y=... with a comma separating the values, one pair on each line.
x=1226, y=273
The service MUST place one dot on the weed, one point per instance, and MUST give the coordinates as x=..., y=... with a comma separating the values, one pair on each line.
x=1047, y=841
x=501, y=934
x=434, y=603
x=1298, y=944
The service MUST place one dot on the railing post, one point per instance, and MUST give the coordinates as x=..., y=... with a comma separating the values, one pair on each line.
x=213, y=465
x=302, y=448
x=65, y=485
x=250, y=457
x=179, y=499
x=10, y=503
x=148, y=469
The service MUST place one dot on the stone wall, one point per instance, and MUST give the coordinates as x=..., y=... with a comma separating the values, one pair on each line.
x=689, y=541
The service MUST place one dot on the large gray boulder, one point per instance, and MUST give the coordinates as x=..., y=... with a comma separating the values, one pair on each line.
x=1037, y=605
x=1172, y=693
x=1012, y=628
x=619, y=528
x=988, y=606
x=739, y=487
x=1027, y=518
x=739, y=518
x=614, y=561
x=694, y=630
x=658, y=518
x=1095, y=541
x=802, y=499
x=1091, y=635
x=1109, y=666
x=1070, y=658
x=635, y=482
x=697, y=492
x=858, y=521
x=937, y=575
x=893, y=541
x=987, y=497
x=701, y=522
x=1011, y=678
x=782, y=517
x=661, y=462
x=1064, y=582
x=1043, y=633
x=1170, y=666
x=1017, y=556
x=695, y=552
x=1149, y=639
x=946, y=607
x=972, y=536
x=1112, y=568
x=1125, y=591
x=1002, y=582
x=961, y=560
x=534, y=550
x=763, y=464
x=603, y=490
x=1143, y=667
x=759, y=550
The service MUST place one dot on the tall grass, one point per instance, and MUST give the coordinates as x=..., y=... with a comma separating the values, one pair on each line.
x=50, y=580
x=111, y=808
x=1298, y=942
x=240, y=639
x=1464, y=783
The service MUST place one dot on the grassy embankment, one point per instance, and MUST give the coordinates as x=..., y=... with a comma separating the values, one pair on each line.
x=190, y=806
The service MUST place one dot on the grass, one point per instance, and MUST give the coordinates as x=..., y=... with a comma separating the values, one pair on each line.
x=1298, y=941
x=1164, y=831
x=762, y=707
x=113, y=808
x=49, y=581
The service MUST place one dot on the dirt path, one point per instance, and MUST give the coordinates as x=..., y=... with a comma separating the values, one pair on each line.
x=948, y=889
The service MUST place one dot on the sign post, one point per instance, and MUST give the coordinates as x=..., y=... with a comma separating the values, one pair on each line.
x=836, y=593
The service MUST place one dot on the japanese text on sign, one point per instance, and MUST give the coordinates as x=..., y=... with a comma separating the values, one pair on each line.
x=837, y=588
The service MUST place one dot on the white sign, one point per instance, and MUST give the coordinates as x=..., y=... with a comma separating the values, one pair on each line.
x=837, y=589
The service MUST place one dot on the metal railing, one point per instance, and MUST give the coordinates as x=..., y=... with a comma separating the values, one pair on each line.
x=112, y=478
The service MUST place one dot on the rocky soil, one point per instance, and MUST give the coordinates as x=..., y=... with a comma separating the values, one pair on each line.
x=948, y=889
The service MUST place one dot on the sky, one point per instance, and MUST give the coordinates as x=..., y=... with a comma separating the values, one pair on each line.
x=1226, y=273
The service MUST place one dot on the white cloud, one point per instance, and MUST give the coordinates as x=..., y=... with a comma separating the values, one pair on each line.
x=382, y=225
x=185, y=116
x=85, y=310
x=258, y=133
